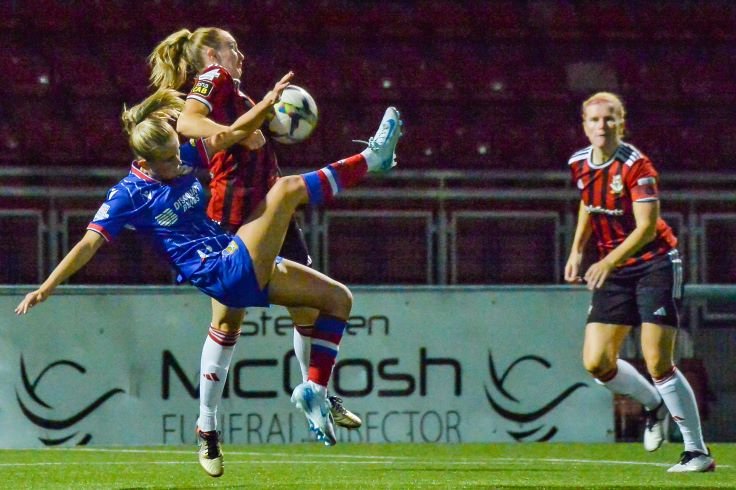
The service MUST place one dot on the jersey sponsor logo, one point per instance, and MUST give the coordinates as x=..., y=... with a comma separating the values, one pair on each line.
x=203, y=87
x=646, y=181
x=167, y=218
x=102, y=213
x=617, y=185
x=599, y=210
x=188, y=200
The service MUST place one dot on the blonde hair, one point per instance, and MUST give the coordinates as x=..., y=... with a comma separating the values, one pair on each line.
x=181, y=55
x=608, y=98
x=148, y=124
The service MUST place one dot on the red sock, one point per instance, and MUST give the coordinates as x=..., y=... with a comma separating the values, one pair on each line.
x=323, y=184
x=326, y=337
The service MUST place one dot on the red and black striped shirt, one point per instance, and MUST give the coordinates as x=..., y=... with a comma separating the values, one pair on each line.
x=240, y=178
x=608, y=192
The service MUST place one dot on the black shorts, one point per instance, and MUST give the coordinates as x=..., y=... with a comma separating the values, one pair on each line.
x=295, y=245
x=652, y=294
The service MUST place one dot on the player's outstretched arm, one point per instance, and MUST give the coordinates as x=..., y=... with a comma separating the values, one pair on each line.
x=77, y=258
x=195, y=123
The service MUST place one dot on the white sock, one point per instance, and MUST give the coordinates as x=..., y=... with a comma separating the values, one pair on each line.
x=629, y=382
x=680, y=400
x=372, y=160
x=217, y=353
x=302, y=349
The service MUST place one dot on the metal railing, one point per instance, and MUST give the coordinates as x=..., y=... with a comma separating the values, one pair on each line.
x=442, y=200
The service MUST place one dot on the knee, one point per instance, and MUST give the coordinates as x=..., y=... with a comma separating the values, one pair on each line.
x=227, y=327
x=598, y=366
x=229, y=323
x=290, y=186
x=658, y=363
x=340, y=301
x=658, y=367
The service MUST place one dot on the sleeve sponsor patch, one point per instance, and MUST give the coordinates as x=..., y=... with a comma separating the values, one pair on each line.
x=102, y=213
x=646, y=181
x=203, y=88
x=646, y=192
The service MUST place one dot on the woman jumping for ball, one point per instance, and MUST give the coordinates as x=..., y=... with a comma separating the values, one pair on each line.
x=207, y=63
x=236, y=270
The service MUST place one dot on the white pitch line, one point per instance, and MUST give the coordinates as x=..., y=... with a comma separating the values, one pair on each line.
x=588, y=461
x=237, y=453
x=339, y=460
x=138, y=463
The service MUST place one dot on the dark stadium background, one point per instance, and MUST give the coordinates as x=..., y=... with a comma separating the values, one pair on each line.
x=490, y=93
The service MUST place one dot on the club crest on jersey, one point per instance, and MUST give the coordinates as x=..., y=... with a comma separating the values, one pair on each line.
x=231, y=248
x=617, y=185
x=203, y=87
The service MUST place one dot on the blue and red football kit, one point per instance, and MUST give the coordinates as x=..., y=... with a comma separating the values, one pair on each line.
x=172, y=216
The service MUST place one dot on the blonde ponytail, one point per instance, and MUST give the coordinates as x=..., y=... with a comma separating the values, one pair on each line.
x=148, y=124
x=181, y=56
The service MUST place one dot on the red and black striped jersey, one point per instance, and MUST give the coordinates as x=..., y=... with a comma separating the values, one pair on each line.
x=240, y=178
x=608, y=192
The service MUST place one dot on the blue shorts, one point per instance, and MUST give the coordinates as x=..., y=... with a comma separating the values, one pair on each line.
x=229, y=277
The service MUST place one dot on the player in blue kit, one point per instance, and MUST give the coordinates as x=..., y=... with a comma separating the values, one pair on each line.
x=164, y=202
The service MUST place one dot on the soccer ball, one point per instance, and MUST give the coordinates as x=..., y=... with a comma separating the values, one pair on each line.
x=294, y=116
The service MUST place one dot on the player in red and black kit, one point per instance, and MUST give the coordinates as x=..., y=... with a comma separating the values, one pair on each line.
x=636, y=281
x=209, y=63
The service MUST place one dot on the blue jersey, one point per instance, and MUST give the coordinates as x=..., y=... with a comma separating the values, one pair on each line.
x=171, y=214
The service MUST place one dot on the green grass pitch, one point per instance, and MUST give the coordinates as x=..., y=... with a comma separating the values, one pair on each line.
x=357, y=466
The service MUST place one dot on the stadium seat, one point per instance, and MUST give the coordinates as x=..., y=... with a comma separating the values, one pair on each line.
x=456, y=20
x=542, y=83
x=128, y=72
x=51, y=139
x=557, y=21
x=399, y=258
x=610, y=20
x=714, y=20
x=666, y=21
x=21, y=260
x=31, y=74
x=79, y=73
x=11, y=138
x=706, y=82
x=101, y=135
x=344, y=20
x=529, y=259
x=498, y=20
x=53, y=17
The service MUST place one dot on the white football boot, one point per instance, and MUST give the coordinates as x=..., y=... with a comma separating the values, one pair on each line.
x=311, y=399
x=654, y=427
x=210, y=453
x=381, y=152
x=694, y=462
